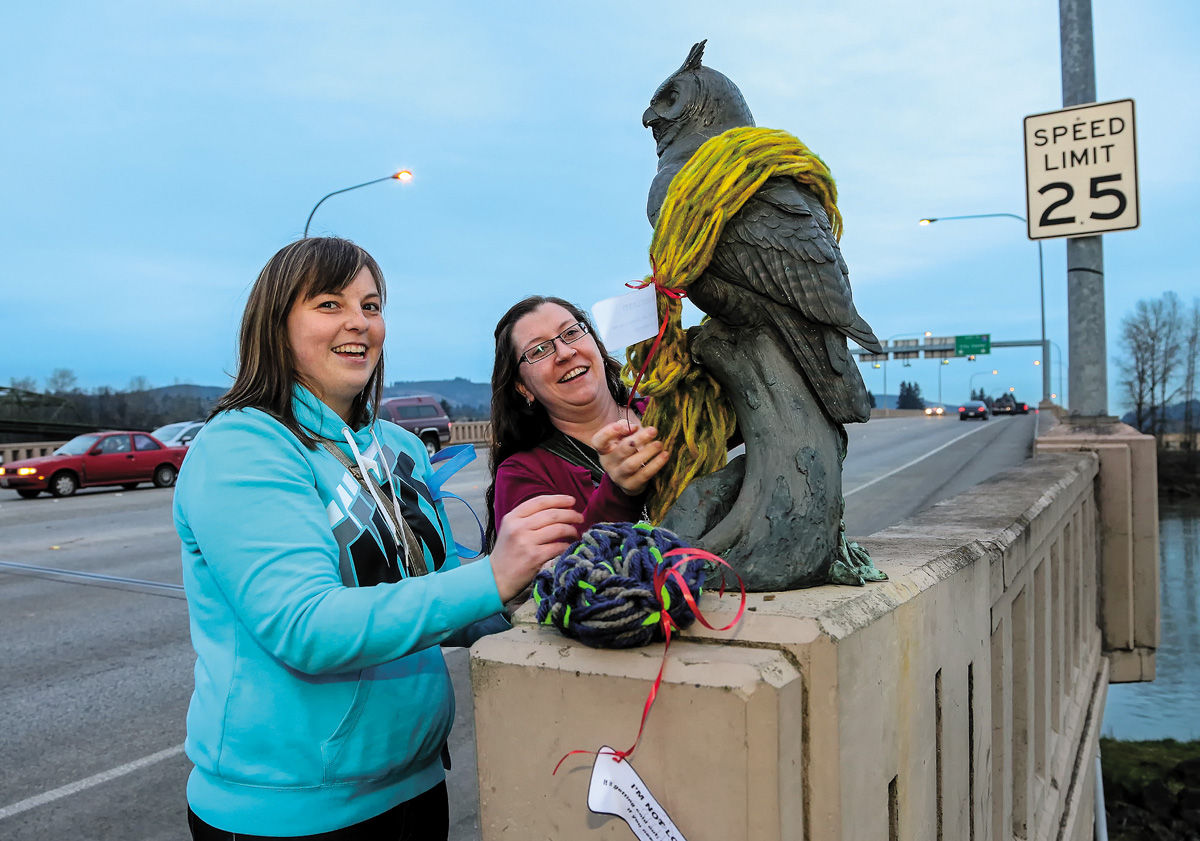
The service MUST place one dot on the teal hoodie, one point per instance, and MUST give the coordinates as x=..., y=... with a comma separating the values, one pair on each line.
x=321, y=697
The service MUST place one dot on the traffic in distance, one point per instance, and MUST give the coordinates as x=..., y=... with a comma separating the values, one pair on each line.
x=97, y=458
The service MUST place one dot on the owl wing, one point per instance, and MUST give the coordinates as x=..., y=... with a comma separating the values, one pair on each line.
x=780, y=247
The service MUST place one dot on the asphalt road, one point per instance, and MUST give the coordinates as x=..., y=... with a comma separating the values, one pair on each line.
x=95, y=672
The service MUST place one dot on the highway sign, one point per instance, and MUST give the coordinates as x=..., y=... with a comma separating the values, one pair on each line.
x=1081, y=171
x=972, y=345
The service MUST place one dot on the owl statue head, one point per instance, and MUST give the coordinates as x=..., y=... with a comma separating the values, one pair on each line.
x=692, y=105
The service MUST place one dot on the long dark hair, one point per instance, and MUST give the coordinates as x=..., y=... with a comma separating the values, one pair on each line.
x=266, y=367
x=517, y=425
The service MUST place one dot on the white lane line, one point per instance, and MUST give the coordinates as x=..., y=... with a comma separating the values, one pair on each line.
x=89, y=782
x=982, y=426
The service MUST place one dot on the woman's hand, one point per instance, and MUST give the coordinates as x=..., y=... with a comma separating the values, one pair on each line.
x=536, y=531
x=630, y=454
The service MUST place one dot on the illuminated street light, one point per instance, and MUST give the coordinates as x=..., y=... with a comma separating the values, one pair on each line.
x=1041, y=280
x=971, y=383
x=944, y=362
x=403, y=176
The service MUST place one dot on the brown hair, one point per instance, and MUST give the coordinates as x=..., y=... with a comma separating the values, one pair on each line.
x=516, y=424
x=266, y=367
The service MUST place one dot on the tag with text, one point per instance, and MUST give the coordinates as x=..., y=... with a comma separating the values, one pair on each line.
x=626, y=319
x=616, y=789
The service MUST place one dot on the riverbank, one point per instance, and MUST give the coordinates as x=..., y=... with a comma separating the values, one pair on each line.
x=1151, y=789
x=1178, y=474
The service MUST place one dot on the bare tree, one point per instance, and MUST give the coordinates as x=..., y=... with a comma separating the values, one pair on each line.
x=1170, y=341
x=1152, y=344
x=1135, y=365
x=62, y=381
x=1191, y=352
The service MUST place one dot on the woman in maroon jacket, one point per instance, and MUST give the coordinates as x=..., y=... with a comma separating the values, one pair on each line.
x=559, y=419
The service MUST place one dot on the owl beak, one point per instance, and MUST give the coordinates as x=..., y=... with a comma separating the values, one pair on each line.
x=649, y=116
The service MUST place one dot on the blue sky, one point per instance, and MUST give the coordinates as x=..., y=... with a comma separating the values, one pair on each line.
x=158, y=153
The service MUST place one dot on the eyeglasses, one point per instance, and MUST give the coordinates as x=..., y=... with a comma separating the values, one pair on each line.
x=569, y=336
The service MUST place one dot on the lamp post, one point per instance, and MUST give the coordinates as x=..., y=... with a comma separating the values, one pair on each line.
x=402, y=175
x=1041, y=283
x=971, y=382
x=944, y=362
x=1058, y=362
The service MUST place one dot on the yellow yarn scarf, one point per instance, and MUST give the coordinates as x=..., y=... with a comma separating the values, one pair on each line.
x=693, y=419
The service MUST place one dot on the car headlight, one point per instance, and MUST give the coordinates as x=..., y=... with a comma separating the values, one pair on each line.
x=26, y=471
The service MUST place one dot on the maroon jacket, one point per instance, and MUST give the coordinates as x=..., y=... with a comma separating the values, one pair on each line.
x=536, y=472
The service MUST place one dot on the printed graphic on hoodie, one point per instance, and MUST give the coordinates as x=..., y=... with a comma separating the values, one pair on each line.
x=368, y=553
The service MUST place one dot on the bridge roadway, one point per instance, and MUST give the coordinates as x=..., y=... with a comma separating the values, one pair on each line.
x=96, y=671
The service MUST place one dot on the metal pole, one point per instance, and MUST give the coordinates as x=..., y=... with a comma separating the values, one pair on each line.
x=1086, y=343
x=1045, y=342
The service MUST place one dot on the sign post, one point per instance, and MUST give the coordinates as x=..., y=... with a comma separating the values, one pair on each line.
x=1081, y=171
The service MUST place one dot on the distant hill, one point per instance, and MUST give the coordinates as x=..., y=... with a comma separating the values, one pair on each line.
x=1172, y=416
x=208, y=393
x=468, y=400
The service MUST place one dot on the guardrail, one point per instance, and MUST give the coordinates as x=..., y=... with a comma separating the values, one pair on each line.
x=471, y=432
x=28, y=449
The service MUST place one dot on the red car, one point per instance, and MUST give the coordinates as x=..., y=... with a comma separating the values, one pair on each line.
x=98, y=458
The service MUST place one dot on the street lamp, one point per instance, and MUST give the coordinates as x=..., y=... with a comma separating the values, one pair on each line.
x=971, y=382
x=944, y=362
x=403, y=176
x=1041, y=282
x=1058, y=364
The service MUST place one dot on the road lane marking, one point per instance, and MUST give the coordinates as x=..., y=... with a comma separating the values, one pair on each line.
x=916, y=460
x=88, y=782
x=157, y=587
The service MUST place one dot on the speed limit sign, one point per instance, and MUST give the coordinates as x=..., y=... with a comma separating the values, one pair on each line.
x=1081, y=171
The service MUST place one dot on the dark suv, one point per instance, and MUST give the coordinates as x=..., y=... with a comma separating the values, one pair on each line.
x=422, y=415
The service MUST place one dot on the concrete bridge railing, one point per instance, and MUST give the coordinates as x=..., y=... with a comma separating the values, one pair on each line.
x=959, y=700
x=471, y=432
x=29, y=449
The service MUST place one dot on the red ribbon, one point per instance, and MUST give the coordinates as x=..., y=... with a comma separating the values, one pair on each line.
x=661, y=575
x=677, y=294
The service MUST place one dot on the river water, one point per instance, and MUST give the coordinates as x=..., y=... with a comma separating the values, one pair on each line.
x=1168, y=707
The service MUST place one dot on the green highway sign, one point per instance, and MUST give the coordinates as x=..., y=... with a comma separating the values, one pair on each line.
x=972, y=345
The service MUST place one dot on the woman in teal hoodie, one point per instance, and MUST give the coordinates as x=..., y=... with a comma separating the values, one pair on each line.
x=321, y=576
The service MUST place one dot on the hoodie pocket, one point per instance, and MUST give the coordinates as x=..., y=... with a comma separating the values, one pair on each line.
x=398, y=721
x=333, y=748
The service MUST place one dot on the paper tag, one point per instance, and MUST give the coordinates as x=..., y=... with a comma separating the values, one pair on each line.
x=626, y=319
x=616, y=789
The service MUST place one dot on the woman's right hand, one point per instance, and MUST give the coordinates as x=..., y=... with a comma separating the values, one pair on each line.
x=534, y=532
x=630, y=454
